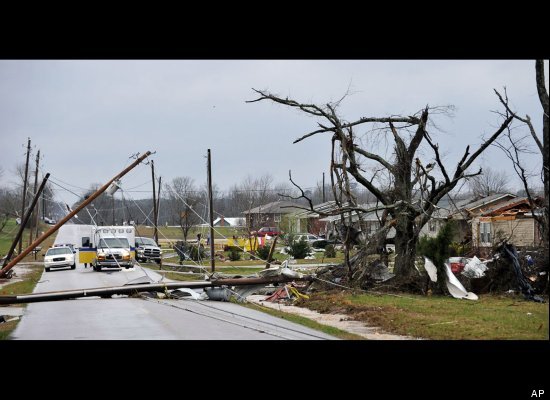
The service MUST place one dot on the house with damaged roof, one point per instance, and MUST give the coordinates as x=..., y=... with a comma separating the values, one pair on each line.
x=511, y=220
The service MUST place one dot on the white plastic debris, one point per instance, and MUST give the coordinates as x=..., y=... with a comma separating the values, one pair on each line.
x=474, y=268
x=455, y=287
x=430, y=269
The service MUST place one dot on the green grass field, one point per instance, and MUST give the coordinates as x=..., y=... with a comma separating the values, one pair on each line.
x=492, y=317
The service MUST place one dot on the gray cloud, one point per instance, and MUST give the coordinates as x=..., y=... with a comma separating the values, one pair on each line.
x=88, y=117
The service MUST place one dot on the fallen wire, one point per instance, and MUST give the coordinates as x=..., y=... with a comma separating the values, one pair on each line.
x=235, y=323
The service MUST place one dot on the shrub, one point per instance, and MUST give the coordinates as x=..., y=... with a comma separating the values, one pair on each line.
x=299, y=249
x=263, y=253
x=330, y=251
x=196, y=253
x=234, y=255
x=438, y=249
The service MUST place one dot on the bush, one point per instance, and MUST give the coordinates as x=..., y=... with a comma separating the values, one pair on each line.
x=330, y=251
x=299, y=249
x=263, y=253
x=196, y=253
x=234, y=255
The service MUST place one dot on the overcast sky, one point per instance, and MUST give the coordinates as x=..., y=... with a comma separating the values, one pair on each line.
x=88, y=117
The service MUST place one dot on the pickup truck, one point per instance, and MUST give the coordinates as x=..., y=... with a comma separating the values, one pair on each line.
x=147, y=249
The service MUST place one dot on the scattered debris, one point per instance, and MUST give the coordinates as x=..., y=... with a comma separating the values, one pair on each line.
x=184, y=292
x=474, y=268
x=510, y=252
x=455, y=287
x=431, y=269
x=218, y=293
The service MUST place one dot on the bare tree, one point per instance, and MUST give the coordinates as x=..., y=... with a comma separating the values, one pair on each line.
x=489, y=182
x=183, y=198
x=415, y=190
x=515, y=147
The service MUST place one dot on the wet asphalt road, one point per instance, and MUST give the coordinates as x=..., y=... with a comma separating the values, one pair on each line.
x=123, y=318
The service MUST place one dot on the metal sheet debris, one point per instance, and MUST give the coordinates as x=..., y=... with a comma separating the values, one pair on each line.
x=430, y=268
x=455, y=287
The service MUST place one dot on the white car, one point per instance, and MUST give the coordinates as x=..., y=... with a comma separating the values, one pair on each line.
x=308, y=237
x=62, y=256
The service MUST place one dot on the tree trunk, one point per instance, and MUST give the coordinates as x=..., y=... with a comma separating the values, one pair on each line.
x=405, y=247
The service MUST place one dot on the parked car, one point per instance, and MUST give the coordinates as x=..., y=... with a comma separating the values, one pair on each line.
x=269, y=231
x=457, y=264
x=308, y=237
x=61, y=256
x=147, y=248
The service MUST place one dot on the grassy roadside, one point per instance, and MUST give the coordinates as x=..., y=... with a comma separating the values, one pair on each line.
x=492, y=317
x=329, y=330
x=25, y=286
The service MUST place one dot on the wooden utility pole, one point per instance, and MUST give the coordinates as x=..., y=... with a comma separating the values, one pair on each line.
x=24, y=221
x=37, y=218
x=54, y=228
x=324, y=199
x=156, y=233
x=211, y=212
x=25, y=191
x=34, y=191
x=157, y=219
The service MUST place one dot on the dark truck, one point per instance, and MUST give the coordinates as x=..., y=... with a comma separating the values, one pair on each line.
x=147, y=249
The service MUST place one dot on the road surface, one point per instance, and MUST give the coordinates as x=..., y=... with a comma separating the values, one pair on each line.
x=122, y=318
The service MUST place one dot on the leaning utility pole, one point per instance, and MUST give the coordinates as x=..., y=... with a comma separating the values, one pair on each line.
x=211, y=212
x=54, y=228
x=155, y=234
x=34, y=191
x=24, y=221
x=25, y=190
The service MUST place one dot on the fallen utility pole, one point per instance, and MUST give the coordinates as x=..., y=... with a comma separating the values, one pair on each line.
x=150, y=287
x=25, y=220
x=54, y=228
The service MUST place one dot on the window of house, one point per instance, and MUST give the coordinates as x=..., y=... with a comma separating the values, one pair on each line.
x=431, y=225
x=277, y=218
x=485, y=232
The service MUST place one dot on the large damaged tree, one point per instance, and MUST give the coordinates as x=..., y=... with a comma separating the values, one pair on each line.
x=412, y=188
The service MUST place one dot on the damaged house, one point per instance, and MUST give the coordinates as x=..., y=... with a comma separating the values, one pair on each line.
x=270, y=214
x=511, y=220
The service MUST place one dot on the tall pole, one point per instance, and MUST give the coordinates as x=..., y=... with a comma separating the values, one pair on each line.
x=157, y=220
x=37, y=219
x=54, y=228
x=324, y=199
x=34, y=191
x=24, y=220
x=156, y=233
x=211, y=212
x=25, y=191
